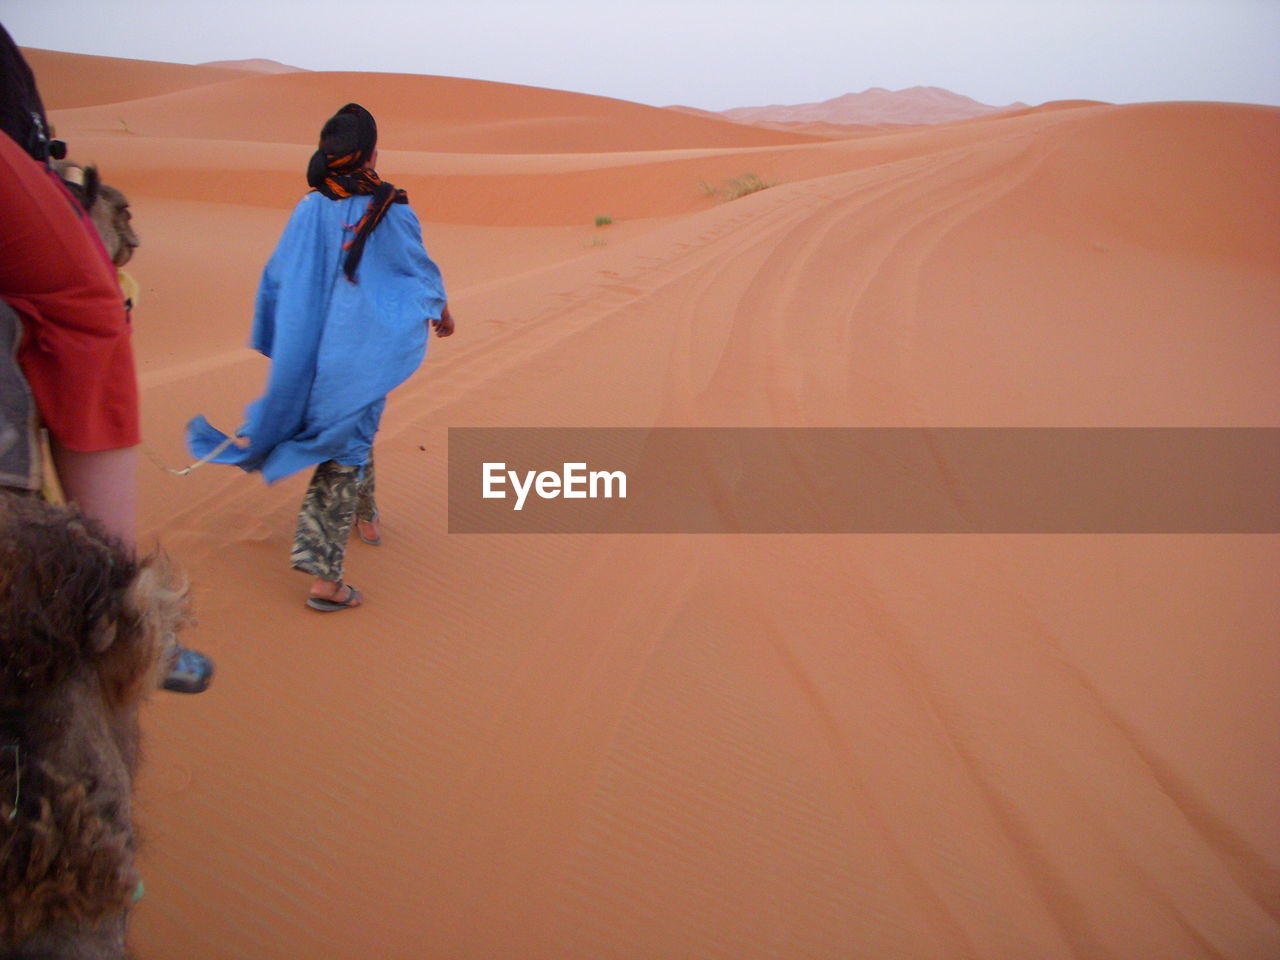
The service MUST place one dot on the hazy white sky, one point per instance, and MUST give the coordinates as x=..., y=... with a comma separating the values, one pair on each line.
x=717, y=54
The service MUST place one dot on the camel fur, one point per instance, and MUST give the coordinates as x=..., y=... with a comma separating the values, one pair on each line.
x=84, y=629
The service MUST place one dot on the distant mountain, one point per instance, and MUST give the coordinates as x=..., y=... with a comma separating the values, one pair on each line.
x=875, y=106
x=256, y=66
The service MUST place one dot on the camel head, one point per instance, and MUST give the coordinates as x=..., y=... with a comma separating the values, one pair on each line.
x=107, y=207
x=84, y=628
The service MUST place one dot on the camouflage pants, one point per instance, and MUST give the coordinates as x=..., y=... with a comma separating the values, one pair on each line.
x=338, y=495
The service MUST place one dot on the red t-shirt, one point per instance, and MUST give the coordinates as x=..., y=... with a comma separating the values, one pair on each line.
x=76, y=349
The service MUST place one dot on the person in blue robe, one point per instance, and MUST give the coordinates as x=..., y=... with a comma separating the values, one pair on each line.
x=342, y=311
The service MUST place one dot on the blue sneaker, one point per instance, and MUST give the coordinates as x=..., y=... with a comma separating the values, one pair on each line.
x=189, y=672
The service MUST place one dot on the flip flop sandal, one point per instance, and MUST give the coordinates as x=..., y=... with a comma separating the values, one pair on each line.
x=375, y=541
x=330, y=606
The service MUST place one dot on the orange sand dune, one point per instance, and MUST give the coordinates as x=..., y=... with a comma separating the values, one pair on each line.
x=1054, y=105
x=80, y=80
x=256, y=64
x=507, y=188
x=439, y=114
x=631, y=747
x=824, y=129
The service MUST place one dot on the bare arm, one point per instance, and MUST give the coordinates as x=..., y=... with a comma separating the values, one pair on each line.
x=103, y=484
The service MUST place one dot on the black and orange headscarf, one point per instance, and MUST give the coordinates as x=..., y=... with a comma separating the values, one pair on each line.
x=337, y=170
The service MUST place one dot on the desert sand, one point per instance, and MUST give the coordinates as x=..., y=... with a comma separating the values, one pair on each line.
x=655, y=747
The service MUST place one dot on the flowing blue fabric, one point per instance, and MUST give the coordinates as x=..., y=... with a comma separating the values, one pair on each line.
x=337, y=348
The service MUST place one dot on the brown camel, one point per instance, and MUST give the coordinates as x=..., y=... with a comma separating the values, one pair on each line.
x=84, y=627
x=107, y=207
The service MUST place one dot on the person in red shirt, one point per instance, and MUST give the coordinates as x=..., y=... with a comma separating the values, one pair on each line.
x=76, y=351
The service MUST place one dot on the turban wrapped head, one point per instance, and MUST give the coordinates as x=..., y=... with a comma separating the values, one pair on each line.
x=339, y=169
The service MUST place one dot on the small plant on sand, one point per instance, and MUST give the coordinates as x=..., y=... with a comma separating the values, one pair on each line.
x=603, y=221
x=738, y=186
x=745, y=184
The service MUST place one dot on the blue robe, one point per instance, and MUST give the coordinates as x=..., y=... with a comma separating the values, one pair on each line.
x=337, y=348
